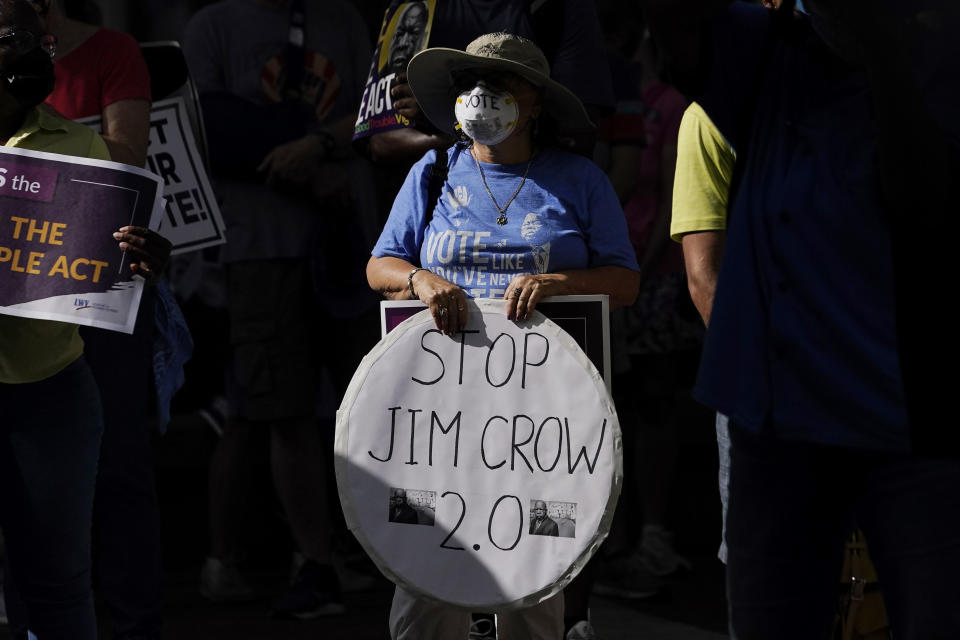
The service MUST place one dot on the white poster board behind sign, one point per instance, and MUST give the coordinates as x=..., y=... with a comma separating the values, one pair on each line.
x=504, y=447
x=191, y=218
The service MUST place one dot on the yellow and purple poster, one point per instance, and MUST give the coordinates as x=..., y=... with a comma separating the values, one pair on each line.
x=405, y=32
x=58, y=258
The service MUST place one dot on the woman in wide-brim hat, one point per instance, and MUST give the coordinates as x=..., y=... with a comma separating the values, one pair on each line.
x=517, y=218
x=434, y=74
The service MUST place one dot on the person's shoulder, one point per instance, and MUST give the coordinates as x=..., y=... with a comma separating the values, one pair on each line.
x=696, y=119
x=563, y=162
x=115, y=41
x=87, y=140
x=203, y=19
x=114, y=49
x=50, y=120
x=67, y=137
x=425, y=161
x=454, y=153
x=695, y=115
x=420, y=170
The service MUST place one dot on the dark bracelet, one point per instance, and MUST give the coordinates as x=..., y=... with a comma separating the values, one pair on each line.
x=410, y=281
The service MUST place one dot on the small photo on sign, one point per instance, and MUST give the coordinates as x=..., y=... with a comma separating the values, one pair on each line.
x=557, y=519
x=412, y=506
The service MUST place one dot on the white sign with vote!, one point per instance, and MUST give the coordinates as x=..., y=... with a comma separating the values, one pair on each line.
x=481, y=469
x=191, y=218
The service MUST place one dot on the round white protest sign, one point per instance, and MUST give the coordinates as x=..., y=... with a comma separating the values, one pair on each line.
x=482, y=469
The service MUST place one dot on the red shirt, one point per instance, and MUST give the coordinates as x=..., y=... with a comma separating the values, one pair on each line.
x=105, y=68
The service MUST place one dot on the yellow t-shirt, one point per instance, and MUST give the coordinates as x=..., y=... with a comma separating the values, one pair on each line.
x=32, y=350
x=702, y=181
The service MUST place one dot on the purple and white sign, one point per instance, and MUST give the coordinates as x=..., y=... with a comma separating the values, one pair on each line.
x=18, y=180
x=58, y=258
x=405, y=32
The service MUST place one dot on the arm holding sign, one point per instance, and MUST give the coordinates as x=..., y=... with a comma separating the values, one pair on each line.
x=610, y=268
x=126, y=130
x=398, y=279
x=403, y=98
x=390, y=276
x=401, y=144
x=620, y=283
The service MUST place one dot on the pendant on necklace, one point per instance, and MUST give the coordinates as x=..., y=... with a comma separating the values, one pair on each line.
x=502, y=220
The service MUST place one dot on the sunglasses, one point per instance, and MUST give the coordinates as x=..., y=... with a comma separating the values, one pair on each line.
x=25, y=41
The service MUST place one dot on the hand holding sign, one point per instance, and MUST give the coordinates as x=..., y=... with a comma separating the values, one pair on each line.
x=501, y=444
x=525, y=291
x=57, y=259
x=447, y=301
x=403, y=100
x=387, y=102
x=151, y=250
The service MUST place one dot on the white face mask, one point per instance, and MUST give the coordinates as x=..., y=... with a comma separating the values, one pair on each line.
x=486, y=115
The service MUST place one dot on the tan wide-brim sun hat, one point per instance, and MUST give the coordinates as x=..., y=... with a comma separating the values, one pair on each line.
x=430, y=74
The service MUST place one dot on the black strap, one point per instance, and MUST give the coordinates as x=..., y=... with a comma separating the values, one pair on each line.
x=438, y=175
x=546, y=20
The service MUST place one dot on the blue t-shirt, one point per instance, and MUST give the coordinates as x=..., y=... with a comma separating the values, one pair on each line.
x=566, y=216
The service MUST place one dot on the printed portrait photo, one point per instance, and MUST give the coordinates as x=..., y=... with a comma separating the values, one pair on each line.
x=549, y=518
x=412, y=506
x=408, y=38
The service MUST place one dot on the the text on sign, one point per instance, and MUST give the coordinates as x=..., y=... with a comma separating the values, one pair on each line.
x=27, y=182
x=183, y=204
x=519, y=442
x=38, y=263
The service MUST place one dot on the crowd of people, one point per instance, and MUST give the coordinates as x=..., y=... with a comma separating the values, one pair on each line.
x=734, y=176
